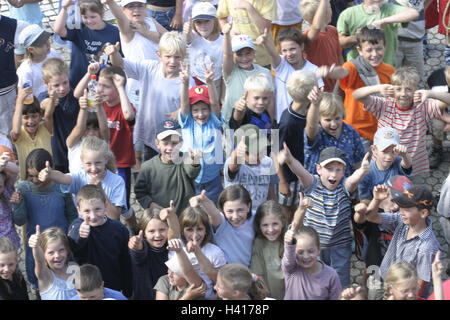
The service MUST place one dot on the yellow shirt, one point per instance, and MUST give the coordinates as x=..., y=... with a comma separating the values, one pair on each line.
x=25, y=144
x=242, y=22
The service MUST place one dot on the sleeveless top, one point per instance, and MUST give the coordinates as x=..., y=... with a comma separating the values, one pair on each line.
x=60, y=290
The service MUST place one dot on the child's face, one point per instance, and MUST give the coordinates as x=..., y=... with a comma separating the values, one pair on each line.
x=96, y=294
x=107, y=90
x=306, y=251
x=169, y=147
x=405, y=290
x=331, y=174
x=92, y=130
x=222, y=290
x=33, y=176
x=156, y=233
x=292, y=52
x=253, y=159
x=258, y=101
x=56, y=255
x=170, y=61
x=372, y=53
x=95, y=210
x=404, y=95
x=332, y=125
x=42, y=51
x=244, y=58
x=135, y=11
x=236, y=212
x=204, y=27
x=92, y=20
x=271, y=227
x=94, y=163
x=59, y=83
x=200, y=112
x=176, y=280
x=8, y=264
x=413, y=216
x=195, y=234
x=30, y=122
x=385, y=158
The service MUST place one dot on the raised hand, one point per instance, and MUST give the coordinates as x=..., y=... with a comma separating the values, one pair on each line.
x=85, y=228
x=196, y=155
x=44, y=174
x=193, y=292
x=361, y=209
x=437, y=268
x=184, y=73
x=22, y=92
x=166, y=212
x=93, y=68
x=315, y=96
x=67, y=3
x=241, y=150
x=387, y=90
x=209, y=73
x=16, y=197
x=304, y=202
x=138, y=27
x=262, y=38
x=135, y=242
x=192, y=246
x=365, y=164
x=284, y=156
x=83, y=100
x=241, y=103
x=110, y=49
x=420, y=96
x=380, y=192
x=33, y=242
x=197, y=201
x=174, y=245
x=226, y=28
x=4, y=159
x=119, y=81
x=187, y=27
x=350, y=293
x=400, y=150
x=289, y=235
x=172, y=115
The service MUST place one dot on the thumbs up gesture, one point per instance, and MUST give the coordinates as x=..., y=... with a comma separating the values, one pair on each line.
x=187, y=27
x=135, y=242
x=85, y=228
x=241, y=103
x=192, y=246
x=164, y=213
x=289, y=235
x=197, y=201
x=174, y=245
x=44, y=174
x=437, y=267
x=262, y=38
x=110, y=49
x=33, y=242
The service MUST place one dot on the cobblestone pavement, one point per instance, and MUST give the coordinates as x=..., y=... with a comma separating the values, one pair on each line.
x=434, y=179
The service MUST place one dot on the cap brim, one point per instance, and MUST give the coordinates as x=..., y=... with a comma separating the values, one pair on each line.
x=42, y=39
x=240, y=47
x=165, y=134
x=203, y=17
x=385, y=144
x=197, y=99
x=325, y=162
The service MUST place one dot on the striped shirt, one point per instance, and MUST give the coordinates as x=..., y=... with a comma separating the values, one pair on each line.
x=411, y=125
x=419, y=250
x=329, y=214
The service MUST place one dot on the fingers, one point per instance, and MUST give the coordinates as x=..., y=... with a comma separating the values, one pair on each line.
x=47, y=165
x=244, y=96
x=203, y=194
x=38, y=230
x=437, y=257
x=293, y=226
x=366, y=157
x=86, y=219
x=141, y=235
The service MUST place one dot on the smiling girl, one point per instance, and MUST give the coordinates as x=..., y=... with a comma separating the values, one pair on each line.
x=12, y=282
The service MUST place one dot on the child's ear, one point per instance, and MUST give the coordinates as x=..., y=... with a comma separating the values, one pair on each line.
x=424, y=213
x=157, y=144
x=318, y=168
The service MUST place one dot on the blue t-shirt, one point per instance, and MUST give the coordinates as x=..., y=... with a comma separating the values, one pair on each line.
x=377, y=176
x=112, y=184
x=110, y=294
x=208, y=139
x=87, y=46
x=64, y=120
x=349, y=141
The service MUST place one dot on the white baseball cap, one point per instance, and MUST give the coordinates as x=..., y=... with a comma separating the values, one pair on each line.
x=203, y=10
x=123, y=3
x=241, y=41
x=386, y=137
x=33, y=35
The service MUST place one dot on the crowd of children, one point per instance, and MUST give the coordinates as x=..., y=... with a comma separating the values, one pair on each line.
x=260, y=154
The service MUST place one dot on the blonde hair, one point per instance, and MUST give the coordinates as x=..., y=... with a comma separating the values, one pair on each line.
x=407, y=75
x=172, y=42
x=331, y=105
x=300, y=83
x=93, y=143
x=259, y=82
x=237, y=277
x=54, y=67
x=308, y=9
x=54, y=234
x=399, y=272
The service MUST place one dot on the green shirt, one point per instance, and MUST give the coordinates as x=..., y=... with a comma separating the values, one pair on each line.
x=353, y=18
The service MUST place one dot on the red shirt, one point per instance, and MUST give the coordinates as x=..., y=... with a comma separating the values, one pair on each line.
x=120, y=136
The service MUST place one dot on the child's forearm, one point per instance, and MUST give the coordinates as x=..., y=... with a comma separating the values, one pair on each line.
x=304, y=176
x=352, y=181
x=213, y=98
x=17, y=121
x=234, y=164
x=82, y=84
x=272, y=50
x=174, y=226
x=438, y=288
x=206, y=265
x=184, y=101
x=227, y=55
x=299, y=216
x=260, y=22
x=347, y=41
x=372, y=214
x=48, y=114
x=406, y=15
x=125, y=104
x=319, y=21
x=406, y=162
x=363, y=94
x=60, y=178
x=312, y=122
x=116, y=59
x=102, y=123
x=59, y=27
x=443, y=97
x=78, y=130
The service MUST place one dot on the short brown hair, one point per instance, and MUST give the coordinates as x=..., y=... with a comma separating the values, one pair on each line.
x=191, y=217
x=91, y=192
x=371, y=35
x=91, y=5
x=54, y=67
x=110, y=71
x=90, y=278
x=291, y=34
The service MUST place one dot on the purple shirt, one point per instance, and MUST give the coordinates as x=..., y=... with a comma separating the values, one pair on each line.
x=302, y=286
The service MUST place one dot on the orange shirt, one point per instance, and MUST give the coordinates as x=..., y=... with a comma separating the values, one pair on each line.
x=362, y=121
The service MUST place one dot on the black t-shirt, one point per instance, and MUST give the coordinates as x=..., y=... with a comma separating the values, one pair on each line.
x=15, y=289
x=162, y=3
x=437, y=78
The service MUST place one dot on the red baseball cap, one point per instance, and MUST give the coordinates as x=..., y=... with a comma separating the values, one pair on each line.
x=199, y=93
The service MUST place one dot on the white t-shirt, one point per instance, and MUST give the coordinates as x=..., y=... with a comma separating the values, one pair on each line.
x=32, y=73
x=288, y=12
x=217, y=258
x=73, y=155
x=202, y=51
x=138, y=49
x=282, y=72
x=158, y=94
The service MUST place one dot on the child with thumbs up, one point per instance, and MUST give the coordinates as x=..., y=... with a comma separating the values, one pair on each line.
x=101, y=241
x=148, y=250
x=408, y=111
x=53, y=269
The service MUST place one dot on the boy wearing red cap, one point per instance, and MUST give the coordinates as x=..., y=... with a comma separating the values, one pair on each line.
x=413, y=240
x=201, y=125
